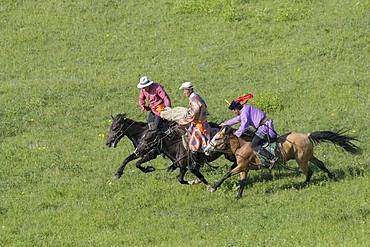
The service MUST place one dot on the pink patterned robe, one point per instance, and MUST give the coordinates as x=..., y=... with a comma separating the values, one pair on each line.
x=199, y=128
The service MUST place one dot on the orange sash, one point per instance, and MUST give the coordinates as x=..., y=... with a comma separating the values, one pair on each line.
x=200, y=125
x=160, y=107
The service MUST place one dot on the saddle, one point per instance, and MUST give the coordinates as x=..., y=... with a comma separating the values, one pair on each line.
x=271, y=147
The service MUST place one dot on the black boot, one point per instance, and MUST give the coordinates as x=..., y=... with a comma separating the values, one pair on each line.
x=267, y=159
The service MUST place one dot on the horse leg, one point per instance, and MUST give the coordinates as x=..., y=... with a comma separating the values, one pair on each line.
x=304, y=165
x=199, y=175
x=181, y=162
x=322, y=166
x=233, y=166
x=231, y=172
x=146, y=158
x=119, y=172
x=194, y=163
x=171, y=168
x=181, y=175
x=219, y=182
x=242, y=183
x=228, y=174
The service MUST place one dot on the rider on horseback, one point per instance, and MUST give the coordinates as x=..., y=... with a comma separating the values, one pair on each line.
x=248, y=115
x=158, y=100
x=199, y=127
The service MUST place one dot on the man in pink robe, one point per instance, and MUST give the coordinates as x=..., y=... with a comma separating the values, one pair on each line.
x=158, y=99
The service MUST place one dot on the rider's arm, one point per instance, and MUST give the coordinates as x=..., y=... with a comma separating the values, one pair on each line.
x=193, y=112
x=142, y=100
x=232, y=121
x=244, y=124
x=163, y=95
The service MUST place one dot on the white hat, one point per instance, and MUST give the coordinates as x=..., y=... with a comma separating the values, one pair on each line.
x=187, y=85
x=144, y=82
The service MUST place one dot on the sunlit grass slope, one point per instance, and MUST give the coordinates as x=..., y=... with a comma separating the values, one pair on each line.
x=66, y=66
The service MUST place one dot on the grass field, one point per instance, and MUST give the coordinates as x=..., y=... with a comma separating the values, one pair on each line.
x=66, y=66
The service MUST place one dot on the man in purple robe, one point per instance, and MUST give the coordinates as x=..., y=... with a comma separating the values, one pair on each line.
x=248, y=115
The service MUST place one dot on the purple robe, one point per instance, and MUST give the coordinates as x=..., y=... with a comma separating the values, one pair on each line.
x=252, y=116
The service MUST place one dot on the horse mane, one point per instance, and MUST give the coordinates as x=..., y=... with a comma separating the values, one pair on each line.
x=214, y=125
x=228, y=130
x=124, y=116
x=283, y=138
x=121, y=115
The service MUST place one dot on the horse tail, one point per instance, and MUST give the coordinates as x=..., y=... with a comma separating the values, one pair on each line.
x=337, y=138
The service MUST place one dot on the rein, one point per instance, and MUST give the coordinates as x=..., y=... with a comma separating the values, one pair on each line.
x=122, y=133
x=159, y=142
x=227, y=141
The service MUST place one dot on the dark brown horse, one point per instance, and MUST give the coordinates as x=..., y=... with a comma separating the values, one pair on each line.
x=123, y=126
x=290, y=146
x=170, y=145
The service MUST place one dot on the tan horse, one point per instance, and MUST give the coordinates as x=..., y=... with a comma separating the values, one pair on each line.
x=296, y=146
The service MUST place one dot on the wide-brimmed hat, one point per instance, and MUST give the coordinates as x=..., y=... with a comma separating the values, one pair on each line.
x=144, y=82
x=186, y=85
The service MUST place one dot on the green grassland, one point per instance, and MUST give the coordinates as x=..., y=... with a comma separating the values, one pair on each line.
x=66, y=66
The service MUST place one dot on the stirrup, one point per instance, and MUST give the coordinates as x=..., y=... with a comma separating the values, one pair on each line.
x=268, y=165
x=272, y=162
x=275, y=159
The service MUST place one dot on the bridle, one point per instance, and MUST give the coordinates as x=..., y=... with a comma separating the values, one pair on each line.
x=226, y=143
x=121, y=131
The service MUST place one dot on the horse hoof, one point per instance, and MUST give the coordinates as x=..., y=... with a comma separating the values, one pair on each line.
x=116, y=176
x=195, y=181
x=211, y=189
x=331, y=175
x=149, y=169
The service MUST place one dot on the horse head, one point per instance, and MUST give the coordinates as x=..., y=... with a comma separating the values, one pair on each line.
x=219, y=141
x=117, y=130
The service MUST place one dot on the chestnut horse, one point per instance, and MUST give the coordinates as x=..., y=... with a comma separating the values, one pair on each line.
x=290, y=146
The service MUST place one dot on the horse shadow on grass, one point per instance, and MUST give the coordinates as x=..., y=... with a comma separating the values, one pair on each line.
x=318, y=178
